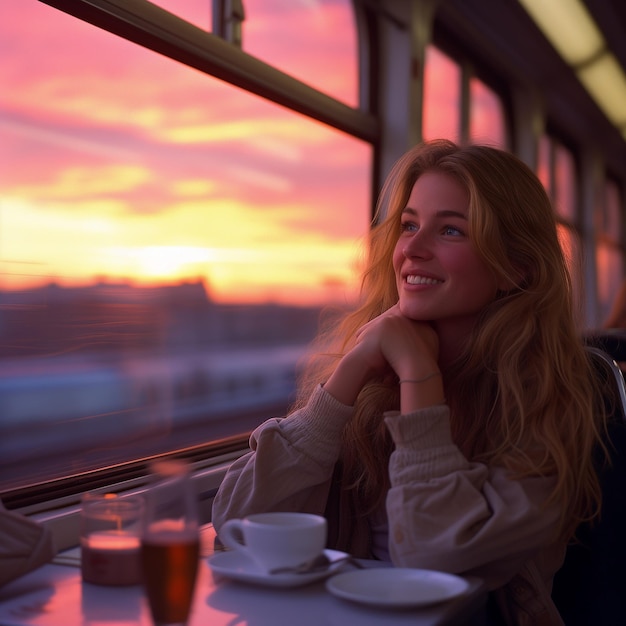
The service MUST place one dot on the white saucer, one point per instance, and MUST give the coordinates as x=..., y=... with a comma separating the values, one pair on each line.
x=238, y=566
x=396, y=586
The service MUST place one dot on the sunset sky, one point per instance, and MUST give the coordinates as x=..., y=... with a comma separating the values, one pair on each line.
x=120, y=163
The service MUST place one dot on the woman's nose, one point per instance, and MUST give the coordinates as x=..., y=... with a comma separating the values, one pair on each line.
x=417, y=246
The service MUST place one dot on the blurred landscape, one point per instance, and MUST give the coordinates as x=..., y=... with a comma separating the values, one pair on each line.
x=110, y=372
x=112, y=320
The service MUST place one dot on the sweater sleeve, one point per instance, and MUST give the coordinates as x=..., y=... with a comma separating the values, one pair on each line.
x=289, y=465
x=447, y=513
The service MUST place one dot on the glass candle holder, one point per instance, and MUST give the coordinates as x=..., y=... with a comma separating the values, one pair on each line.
x=110, y=539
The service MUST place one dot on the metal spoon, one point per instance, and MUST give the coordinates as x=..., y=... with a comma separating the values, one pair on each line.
x=320, y=563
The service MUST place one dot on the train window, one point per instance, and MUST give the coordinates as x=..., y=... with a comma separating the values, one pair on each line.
x=442, y=96
x=608, y=215
x=609, y=254
x=556, y=169
x=487, y=121
x=306, y=39
x=163, y=235
x=302, y=39
x=444, y=104
x=564, y=191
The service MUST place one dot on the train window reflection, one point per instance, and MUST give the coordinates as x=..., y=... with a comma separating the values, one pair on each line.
x=609, y=254
x=609, y=216
x=166, y=249
x=442, y=96
x=565, y=196
x=487, y=121
x=565, y=199
x=609, y=276
x=444, y=106
x=556, y=169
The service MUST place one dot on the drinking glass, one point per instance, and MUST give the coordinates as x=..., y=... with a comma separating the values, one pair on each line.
x=170, y=544
x=110, y=539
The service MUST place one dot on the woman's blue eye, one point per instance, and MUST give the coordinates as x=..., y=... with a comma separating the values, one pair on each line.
x=446, y=230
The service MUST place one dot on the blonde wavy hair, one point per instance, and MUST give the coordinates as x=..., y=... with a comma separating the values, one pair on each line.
x=522, y=394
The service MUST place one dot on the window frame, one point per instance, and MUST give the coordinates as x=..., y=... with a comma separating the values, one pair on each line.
x=156, y=29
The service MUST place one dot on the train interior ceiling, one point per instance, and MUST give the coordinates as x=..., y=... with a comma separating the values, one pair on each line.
x=106, y=363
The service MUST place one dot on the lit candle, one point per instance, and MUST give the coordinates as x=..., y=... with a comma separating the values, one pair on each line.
x=113, y=540
x=111, y=558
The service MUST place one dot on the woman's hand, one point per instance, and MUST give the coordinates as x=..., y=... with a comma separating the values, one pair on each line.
x=391, y=342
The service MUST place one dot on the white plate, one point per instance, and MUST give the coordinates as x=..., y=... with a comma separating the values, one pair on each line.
x=396, y=586
x=238, y=566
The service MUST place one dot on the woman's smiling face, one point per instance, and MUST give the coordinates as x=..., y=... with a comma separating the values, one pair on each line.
x=439, y=274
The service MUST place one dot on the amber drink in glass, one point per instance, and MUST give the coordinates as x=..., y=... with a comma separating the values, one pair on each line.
x=170, y=544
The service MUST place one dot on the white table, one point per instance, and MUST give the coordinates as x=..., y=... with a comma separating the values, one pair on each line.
x=54, y=595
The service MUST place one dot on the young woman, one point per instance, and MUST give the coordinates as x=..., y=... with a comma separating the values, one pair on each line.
x=451, y=424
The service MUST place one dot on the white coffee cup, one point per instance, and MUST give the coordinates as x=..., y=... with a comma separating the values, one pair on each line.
x=276, y=540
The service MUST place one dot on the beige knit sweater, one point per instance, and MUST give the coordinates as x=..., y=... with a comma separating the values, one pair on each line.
x=443, y=512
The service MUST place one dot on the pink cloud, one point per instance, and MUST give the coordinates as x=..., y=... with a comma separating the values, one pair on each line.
x=82, y=105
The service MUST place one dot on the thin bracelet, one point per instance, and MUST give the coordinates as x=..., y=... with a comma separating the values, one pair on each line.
x=420, y=380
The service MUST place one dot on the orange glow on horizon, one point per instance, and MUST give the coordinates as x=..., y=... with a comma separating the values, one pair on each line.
x=124, y=166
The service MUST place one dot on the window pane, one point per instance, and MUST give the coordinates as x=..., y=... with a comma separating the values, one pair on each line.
x=609, y=255
x=611, y=216
x=609, y=276
x=565, y=183
x=313, y=41
x=544, y=163
x=487, y=124
x=166, y=247
x=442, y=96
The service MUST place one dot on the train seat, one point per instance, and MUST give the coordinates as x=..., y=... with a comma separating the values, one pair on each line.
x=590, y=587
x=612, y=341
